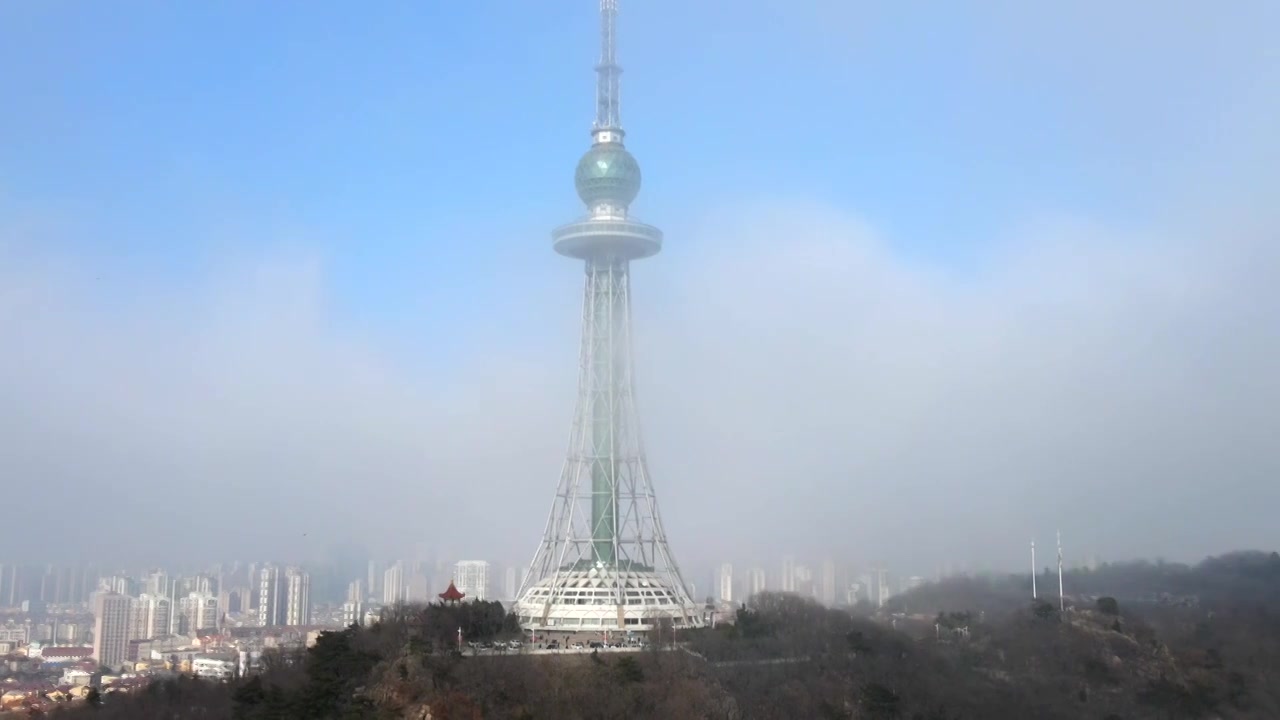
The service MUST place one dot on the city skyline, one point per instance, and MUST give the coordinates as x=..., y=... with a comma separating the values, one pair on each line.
x=73, y=612
x=260, y=280
x=404, y=580
x=266, y=594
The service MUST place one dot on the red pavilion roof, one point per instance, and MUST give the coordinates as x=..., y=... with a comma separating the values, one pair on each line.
x=452, y=593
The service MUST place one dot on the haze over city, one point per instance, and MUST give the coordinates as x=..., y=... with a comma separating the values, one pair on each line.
x=272, y=285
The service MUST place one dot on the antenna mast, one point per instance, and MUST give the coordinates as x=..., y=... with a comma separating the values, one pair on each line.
x=1061, y=600
x=1033, y=570
x=608, y=93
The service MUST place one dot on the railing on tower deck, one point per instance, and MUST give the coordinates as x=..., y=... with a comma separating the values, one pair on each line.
x=607, y=227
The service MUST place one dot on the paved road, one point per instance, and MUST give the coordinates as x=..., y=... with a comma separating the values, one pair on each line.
x=526, y=650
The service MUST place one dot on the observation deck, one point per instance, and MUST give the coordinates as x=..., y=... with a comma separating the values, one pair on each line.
x=607, y=237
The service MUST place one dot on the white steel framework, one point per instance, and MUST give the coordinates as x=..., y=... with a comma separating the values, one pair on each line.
x=604, y=562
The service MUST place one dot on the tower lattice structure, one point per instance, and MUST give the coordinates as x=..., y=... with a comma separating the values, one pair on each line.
x=604, y=562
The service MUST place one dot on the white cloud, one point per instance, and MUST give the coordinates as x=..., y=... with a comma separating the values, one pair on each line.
x=804, y=386
x=804, y=389
x=822, y=391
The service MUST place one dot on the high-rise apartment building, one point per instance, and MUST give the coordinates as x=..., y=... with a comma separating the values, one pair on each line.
x=284, y=596
x=373, y=579
x=726, y=583
x=393, y=584
x=299, y=598
x=882, y=593
x=510, y=585
x=137, y=619
x=199, y=612
x=229, y=600
x=272, y=596
x=204, y=584
x=57, y=584
x=472, y=578
x=154, y=616
x=827, y=587
x=111, y=629
x=353, y=608
x=8, y=585
x=755, y=581
x=149, y=617
x=418, y=589
x=117, y=584
x=157, y=583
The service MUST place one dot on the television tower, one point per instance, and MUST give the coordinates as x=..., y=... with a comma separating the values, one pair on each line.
x=604, y=562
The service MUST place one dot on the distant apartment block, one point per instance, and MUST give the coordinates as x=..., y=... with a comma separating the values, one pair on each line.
x=472, y=577
x=284, y=596
x=199, y=612
x=272, y=596
x=111, y=628
x=393, y=585
x=298, y=610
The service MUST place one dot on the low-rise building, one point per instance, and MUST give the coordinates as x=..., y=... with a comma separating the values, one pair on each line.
x=58, y=655
x=17, y=634
x=75, y=676
x=213, y=668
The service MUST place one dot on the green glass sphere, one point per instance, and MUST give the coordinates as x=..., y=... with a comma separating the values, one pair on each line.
x=607, y=173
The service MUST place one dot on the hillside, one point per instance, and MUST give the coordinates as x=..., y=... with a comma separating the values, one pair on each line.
x=1171, y=642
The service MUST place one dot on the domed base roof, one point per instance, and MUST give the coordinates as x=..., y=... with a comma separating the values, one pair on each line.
x=588, y=600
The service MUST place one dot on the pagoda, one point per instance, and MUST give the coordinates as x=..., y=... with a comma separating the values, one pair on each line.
x=451, y=594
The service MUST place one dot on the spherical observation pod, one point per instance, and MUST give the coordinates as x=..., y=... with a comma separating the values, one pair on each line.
x=607, y=174
x=607, y=237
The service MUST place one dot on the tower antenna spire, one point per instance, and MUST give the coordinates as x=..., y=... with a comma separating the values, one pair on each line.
x=1034, y=596
x=608, y=88
x=1062, y=602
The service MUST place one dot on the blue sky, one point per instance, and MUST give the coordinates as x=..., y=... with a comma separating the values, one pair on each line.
x=333, y=190
x=396, y=135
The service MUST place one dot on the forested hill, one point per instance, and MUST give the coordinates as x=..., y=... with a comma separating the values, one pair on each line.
x=1230, y=580
x=1140, y=640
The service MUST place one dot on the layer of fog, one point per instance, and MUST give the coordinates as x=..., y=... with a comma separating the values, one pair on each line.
x=807, y=388
x=805, y=392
